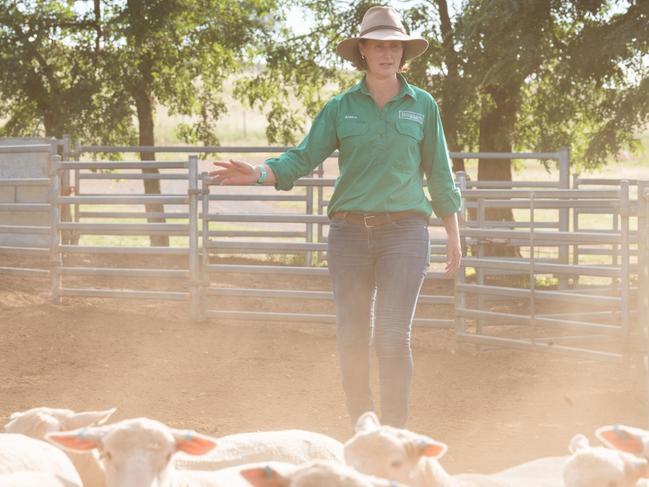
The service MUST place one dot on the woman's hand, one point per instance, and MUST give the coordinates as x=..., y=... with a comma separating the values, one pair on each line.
x=234, y=172
x=453, y=246
x=453, y=257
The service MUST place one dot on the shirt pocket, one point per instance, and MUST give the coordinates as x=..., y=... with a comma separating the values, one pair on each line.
x=351, y=128
x=412, y=129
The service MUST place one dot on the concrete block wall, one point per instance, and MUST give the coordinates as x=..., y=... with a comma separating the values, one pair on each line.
x=24, y=165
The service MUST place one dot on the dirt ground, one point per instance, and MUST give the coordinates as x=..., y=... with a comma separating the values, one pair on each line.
x=494, y=408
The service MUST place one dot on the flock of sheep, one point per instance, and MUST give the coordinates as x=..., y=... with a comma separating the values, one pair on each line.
x=142, y=452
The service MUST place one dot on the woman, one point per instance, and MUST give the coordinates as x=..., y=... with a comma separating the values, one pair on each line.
x=389, y=134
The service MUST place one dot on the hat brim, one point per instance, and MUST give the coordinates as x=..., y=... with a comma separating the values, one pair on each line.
x=414, y=46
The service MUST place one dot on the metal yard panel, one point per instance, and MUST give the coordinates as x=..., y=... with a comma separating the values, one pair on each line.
x=496, y=308
x=213, y=244
x=181, y=280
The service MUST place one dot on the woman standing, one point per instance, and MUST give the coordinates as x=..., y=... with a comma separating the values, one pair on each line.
x=389, y=135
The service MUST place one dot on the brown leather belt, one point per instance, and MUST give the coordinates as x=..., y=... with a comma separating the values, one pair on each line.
x=374, y=219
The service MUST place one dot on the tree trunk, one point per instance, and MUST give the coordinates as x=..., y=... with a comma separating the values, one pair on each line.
x=141, y=91
x=496, y=129
x=146, y=138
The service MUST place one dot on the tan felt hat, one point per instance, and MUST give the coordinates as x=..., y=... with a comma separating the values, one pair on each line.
x=382, y=24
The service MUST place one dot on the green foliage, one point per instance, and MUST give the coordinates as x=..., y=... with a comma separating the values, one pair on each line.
x=508, y=75
x=517, y=75
x=302, y=66
x=50, y=76
x=67, y=68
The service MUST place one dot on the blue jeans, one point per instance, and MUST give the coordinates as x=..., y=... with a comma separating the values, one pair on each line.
x=377, y=274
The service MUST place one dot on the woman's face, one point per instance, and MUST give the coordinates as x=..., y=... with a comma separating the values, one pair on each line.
x=382, y=57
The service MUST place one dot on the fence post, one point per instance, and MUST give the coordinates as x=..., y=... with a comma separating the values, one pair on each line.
x=66, y=214
x=309, y=226
x=205, y=239
x=76, y=153
x=643, y=264
x=480, y=272
x=532, y=271
x=54, y=173
x=193, y=235
x=460, y=297
x=564, y=213
x=575, y=223
x=624, y=258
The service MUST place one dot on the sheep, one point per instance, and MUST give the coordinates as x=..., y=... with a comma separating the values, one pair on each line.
x=33, y=479
x=598, y=466
x=312, y=474
x=138, y=452
x=625, y=438
x=628, y=439
x=290, y=446
x=37, y=422
x=19, y=453
x=410, y=458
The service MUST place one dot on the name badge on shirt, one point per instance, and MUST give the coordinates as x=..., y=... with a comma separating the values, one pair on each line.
x=414, y=116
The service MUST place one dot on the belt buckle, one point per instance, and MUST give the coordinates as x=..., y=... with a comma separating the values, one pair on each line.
x=365, y=221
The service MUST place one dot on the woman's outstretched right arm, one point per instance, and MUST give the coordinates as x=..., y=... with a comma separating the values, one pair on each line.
x=284, y=170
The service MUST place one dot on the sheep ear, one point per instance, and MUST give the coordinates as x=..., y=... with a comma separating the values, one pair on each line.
x=34, y=424
x=622, y=438
x=264, y=477
x=193, y=443
x=367, y=422
x=44, y=424
x=81, y=440
x=425, y=447
x=89, y=418
x=15, y=415
x=577, y=443
x=433, y=449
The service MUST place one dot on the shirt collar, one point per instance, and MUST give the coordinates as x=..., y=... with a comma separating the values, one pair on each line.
x=406, y=89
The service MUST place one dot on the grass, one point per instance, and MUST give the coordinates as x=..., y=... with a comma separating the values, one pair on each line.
x=143, y=241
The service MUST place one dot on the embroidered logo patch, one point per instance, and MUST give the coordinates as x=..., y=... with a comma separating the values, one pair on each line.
x=351, y=116
x=414, y=116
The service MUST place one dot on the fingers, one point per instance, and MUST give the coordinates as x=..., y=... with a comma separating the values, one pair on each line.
x=452, y=263
x=240, y=164
x=224, y=164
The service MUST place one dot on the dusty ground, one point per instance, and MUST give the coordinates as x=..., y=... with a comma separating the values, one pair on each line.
x=493, y=409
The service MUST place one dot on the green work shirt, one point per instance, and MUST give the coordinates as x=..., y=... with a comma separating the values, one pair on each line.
x=383, y=153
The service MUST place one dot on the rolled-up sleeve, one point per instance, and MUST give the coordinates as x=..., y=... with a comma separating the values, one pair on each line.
x=444, y=195
x=318, y=144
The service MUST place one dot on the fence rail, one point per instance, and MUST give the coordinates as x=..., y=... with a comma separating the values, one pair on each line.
x=548, y=249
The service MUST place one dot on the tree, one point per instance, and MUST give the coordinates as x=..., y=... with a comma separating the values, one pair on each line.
x=50, y=76
x=177, y=53
x=90, y=71
x=509, y=76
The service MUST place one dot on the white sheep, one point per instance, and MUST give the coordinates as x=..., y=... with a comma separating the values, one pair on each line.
x=19, y=453
x=625, y=438
x=401, y=455
x=628, y=439
x=289, y=446
x=312, y=474
x=138, y=452
x=33, y=479
x=602, y=467
x=37, y=422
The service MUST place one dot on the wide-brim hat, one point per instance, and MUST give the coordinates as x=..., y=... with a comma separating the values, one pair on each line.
x=382, y=24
